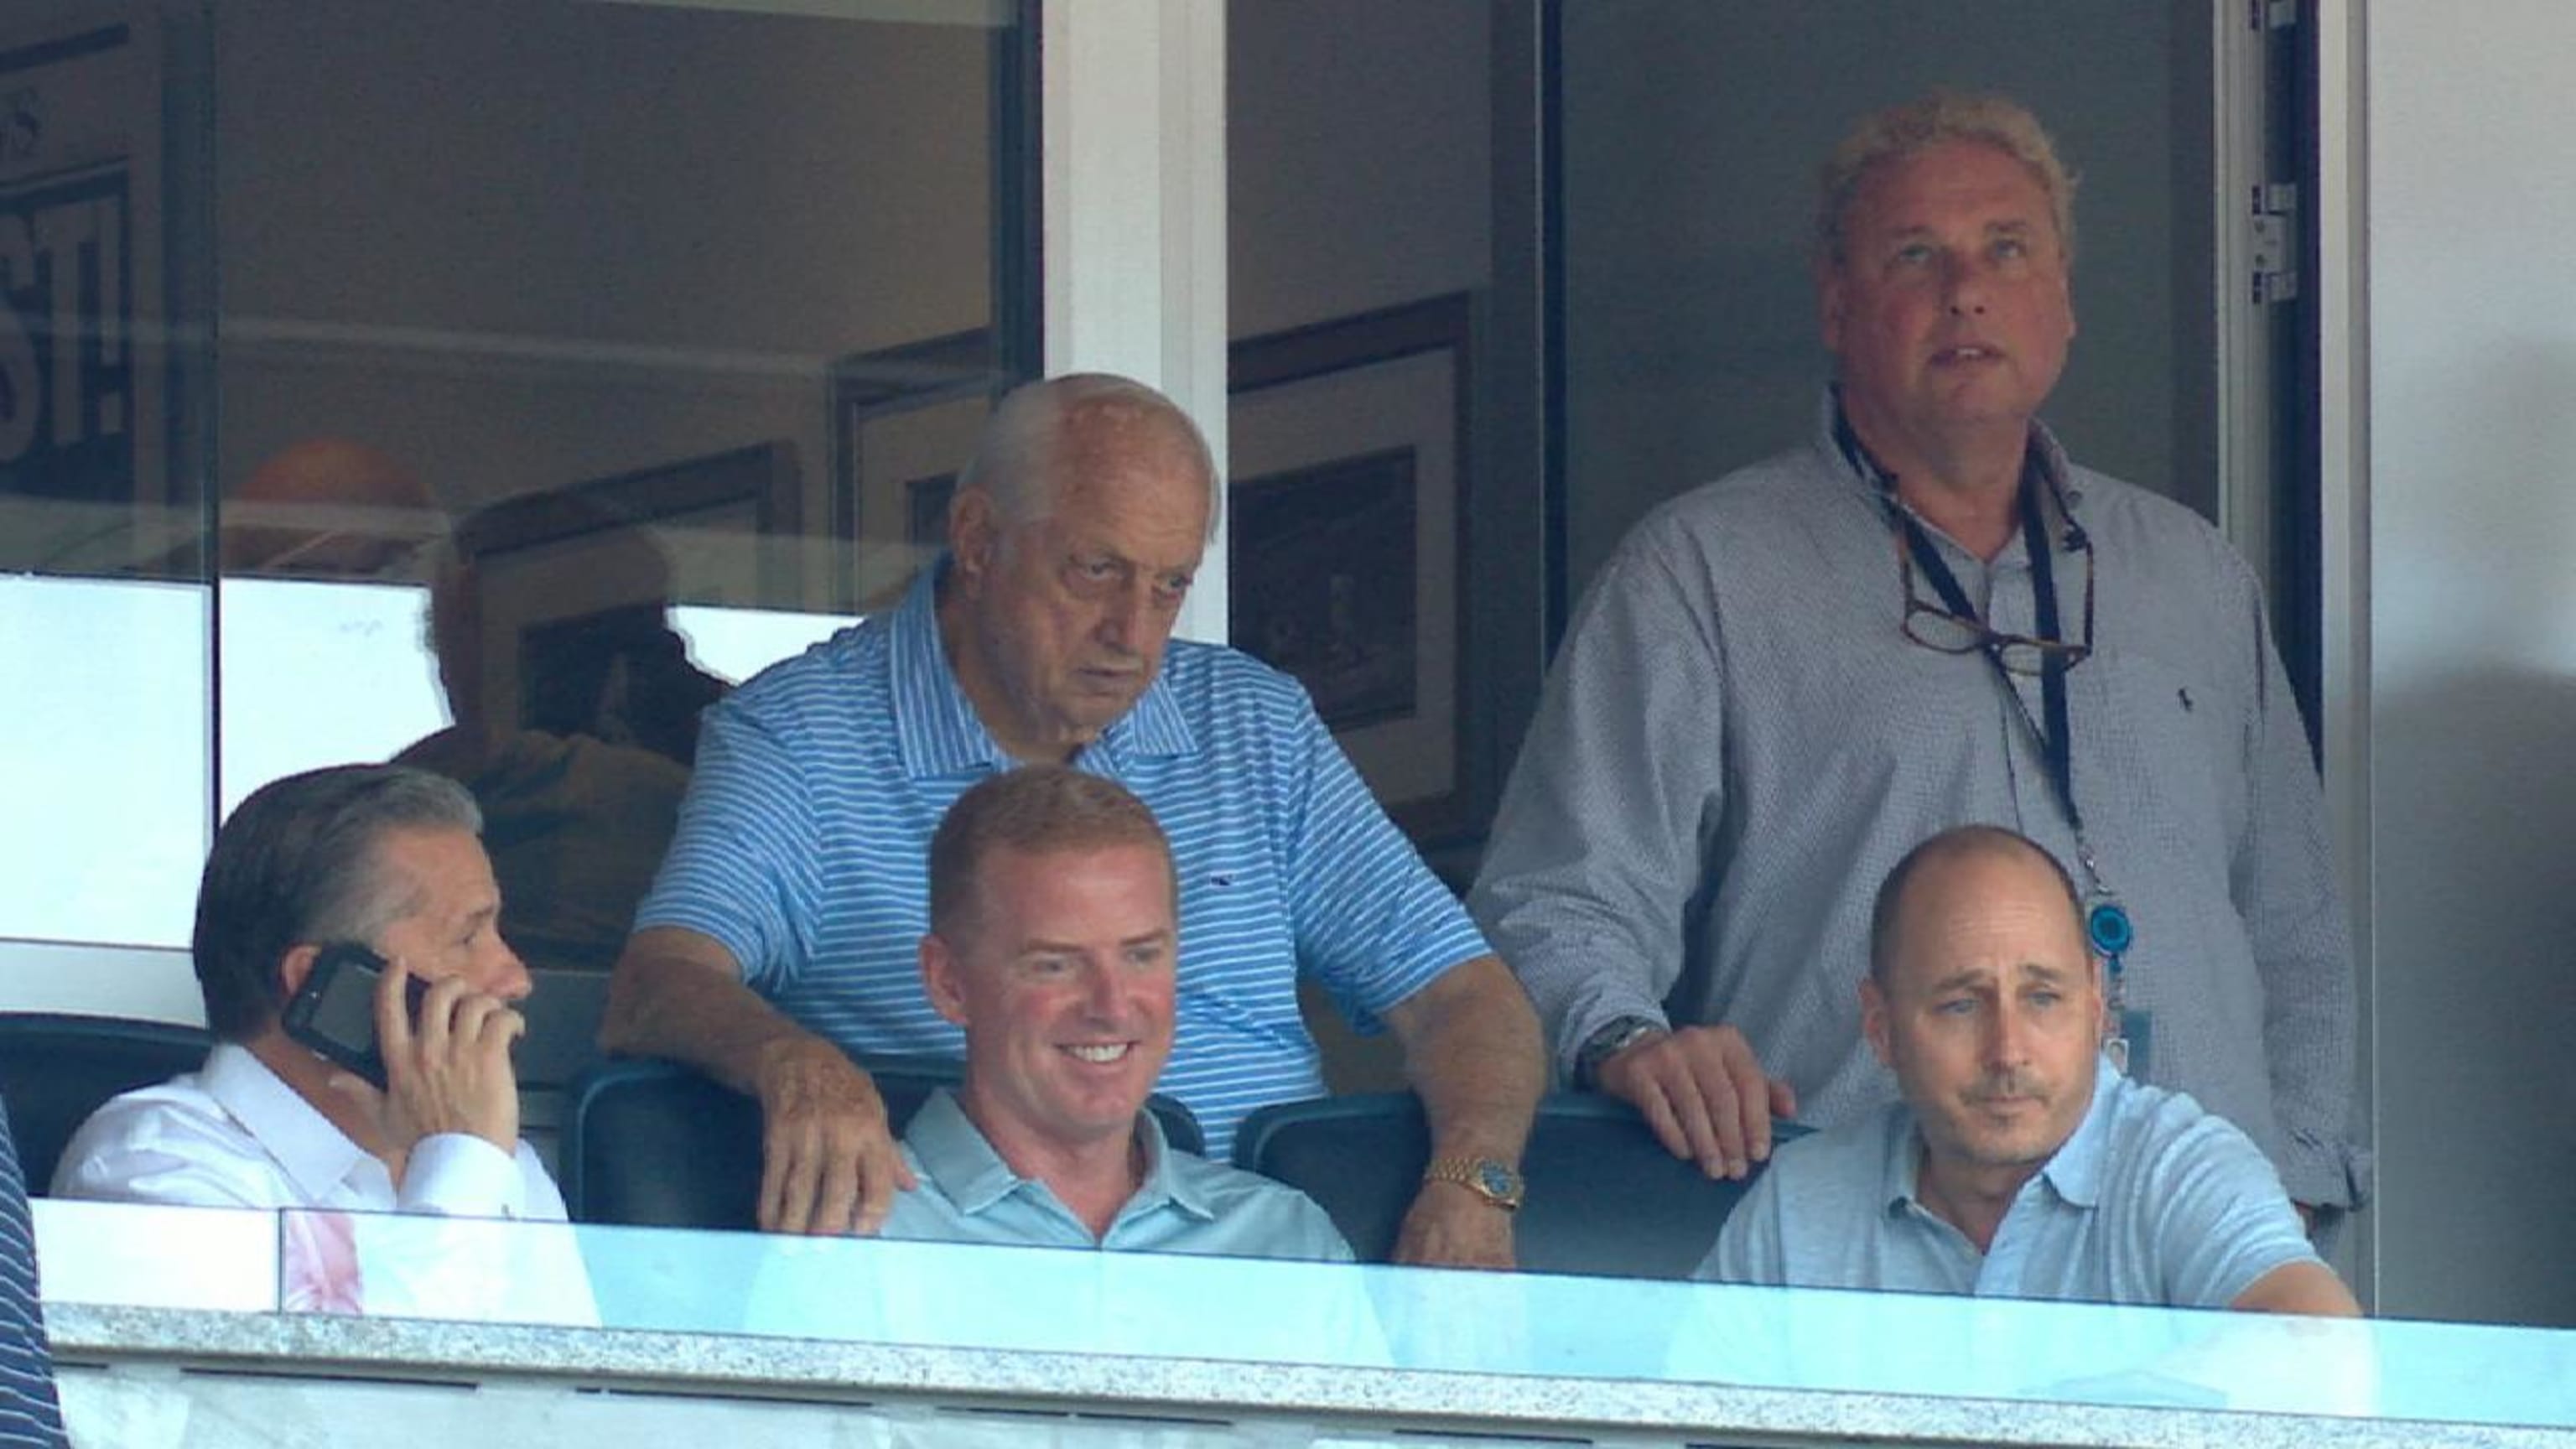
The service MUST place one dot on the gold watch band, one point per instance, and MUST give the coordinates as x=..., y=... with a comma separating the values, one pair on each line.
x=1493, y=1181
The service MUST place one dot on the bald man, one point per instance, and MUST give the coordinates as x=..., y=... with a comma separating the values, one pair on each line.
x=2021, y=1163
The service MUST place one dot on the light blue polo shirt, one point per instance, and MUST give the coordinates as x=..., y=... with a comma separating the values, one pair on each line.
x=2152, y=1201
x=1186, y=1204
x=803, y=849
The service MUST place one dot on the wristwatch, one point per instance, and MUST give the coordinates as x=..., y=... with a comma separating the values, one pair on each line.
x=1615, y=1036
x=1493, y=1181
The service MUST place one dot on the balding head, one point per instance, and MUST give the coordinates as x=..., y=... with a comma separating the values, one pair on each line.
x=1934, y=857
x=1081, y=431
x=328, y=506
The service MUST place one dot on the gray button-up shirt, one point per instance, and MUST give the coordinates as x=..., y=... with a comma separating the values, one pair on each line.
x=1737, y=742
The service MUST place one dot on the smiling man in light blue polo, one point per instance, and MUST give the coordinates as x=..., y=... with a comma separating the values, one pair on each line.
x=2020, y=1164
x=1053, y=945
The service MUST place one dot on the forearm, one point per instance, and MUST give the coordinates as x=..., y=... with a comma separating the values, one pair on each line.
x=1471, y=1050
x=677, y=994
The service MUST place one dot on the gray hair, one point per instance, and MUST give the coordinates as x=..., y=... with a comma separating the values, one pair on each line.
x=1015, y=462
x=297, y=864
x=1900, y=132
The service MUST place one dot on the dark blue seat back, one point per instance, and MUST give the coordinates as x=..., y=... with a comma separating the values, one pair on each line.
x=655, y=1144
x=1605, y=1198
x=56, y=1069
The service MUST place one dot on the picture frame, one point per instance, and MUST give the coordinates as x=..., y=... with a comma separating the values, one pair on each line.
x=1349, y=445
x=904, y=421
x=718, y=529
x=86, y=484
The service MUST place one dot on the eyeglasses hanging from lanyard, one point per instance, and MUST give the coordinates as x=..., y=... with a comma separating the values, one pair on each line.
x=1953, y=626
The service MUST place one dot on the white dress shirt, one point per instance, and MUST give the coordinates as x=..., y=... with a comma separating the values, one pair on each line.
x=234, y=1134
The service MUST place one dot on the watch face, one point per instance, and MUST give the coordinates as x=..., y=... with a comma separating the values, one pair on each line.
x=1497, y=1181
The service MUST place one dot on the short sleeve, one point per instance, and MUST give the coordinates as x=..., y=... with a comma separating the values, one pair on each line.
x=745, y=850
x=2222, y=1220
x=1373, y=925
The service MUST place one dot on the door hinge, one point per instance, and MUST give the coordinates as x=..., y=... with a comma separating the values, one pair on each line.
x=2274, y=253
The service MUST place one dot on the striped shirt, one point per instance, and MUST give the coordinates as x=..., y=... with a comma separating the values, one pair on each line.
x=28, y=1413
x=1737, y=742
x=803, y=850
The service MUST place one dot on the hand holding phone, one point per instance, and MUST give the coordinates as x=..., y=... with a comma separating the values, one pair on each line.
x=334, y=1012
x=438, y=1056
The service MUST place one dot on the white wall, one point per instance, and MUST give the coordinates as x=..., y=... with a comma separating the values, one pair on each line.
x=2469, y=205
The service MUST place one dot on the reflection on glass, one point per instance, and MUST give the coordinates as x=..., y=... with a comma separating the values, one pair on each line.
x=1009, y=1301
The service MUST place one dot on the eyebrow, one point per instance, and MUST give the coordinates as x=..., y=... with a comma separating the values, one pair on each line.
x=2039, y=972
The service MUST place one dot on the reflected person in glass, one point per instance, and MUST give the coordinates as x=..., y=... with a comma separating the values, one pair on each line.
x=777, y=943
x=2021, y=1163
x=1054, y=944
x=1924, y=615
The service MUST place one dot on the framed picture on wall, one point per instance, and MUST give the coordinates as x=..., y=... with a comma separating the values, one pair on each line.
x=85, y=482
x=719, y=530
x=904, y=420
x=1345, y=535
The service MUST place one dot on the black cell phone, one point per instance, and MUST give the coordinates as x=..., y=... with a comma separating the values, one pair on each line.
x=335, y=1012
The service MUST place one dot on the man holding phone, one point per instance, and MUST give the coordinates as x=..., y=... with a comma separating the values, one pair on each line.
x=317, y=883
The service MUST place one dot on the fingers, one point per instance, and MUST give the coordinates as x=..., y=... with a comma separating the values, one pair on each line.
x=1704, y=1093
x=1784, y=1100
x=393, y=1016
x=828, y=1162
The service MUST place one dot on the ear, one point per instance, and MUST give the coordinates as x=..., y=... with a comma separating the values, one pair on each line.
x=293, y=969
x=2100, y=982
x=974, y=534
x=942, y=979
x=1830, y=305
x=1873, y=1020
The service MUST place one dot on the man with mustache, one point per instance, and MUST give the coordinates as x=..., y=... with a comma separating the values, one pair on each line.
x=778, y=941
x=1925, y=615
x=2021, y=1163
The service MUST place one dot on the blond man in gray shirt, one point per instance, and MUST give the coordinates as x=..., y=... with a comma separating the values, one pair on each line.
x=1926, y=616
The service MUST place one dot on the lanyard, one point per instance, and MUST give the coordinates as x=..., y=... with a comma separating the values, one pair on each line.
x=2054, y=731
x=2056, y=740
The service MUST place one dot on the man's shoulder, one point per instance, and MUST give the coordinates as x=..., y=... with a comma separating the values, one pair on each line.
x=2155, y=1127
x=168, y=1122
x=825, y=674
x=2125, y=516
x=1220, y=675
x=1774, y=490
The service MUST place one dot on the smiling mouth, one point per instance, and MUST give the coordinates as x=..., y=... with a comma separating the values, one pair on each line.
x=1968, y=354
x=1100, y=1053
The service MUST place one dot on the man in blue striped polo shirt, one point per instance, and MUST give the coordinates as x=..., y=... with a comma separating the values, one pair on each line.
x=781, y=933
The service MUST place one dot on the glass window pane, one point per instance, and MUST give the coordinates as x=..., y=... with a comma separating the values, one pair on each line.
x=529, y=372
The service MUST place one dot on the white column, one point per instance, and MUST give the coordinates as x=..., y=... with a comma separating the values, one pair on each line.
x=1134, y=174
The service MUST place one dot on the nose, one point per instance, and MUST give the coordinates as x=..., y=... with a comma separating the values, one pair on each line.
x=1963, y=287
x=1100, y=993
x=511, y=981
x=2007, y=1041
x=1125, y=618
